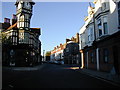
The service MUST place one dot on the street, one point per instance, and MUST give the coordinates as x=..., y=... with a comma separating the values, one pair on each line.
x=49, y=76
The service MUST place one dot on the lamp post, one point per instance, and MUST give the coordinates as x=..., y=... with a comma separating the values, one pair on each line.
x=43, y=54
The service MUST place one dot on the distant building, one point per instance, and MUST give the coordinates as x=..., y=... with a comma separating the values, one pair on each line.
x=21, y=44
x=47, y=56
x=57, y=53
x=71, y=51
x=99, y=37
x=68, y=52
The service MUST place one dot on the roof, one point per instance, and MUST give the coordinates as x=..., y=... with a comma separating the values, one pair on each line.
x=13, y=26
x=31, y=1
x=35, y=30
x=70, y=42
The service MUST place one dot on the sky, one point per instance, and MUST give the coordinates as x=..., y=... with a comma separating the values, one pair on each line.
x=57, y=20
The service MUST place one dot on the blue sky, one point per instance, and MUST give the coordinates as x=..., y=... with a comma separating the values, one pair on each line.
x=57, y=20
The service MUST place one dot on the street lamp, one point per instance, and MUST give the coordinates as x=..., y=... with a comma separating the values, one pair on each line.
x=43, y=54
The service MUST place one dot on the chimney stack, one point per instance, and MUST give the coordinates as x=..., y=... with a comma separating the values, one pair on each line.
x=14, y=16
x=60, y=44
x=14, y=19
x=6, y=23
x=67, y=40
x=6, y=20
x=54, y=48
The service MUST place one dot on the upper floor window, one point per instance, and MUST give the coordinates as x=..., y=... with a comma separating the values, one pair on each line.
x=99, y=27
x=105, y=28
x=21, y=37
x=67, y=49
x=90, y=34
x=105, y=25
x=102, y=26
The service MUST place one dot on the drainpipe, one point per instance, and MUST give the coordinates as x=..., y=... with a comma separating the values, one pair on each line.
x=87, y=60
x=97, y=57
x=94, y=27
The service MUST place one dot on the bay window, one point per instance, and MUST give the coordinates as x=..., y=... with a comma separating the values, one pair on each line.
x=99, y=27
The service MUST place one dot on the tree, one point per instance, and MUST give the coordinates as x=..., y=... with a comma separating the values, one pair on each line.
x=6, y=40
x=48, y=53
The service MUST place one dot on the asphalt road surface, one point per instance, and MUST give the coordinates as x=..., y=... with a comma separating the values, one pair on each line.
x=49, y=76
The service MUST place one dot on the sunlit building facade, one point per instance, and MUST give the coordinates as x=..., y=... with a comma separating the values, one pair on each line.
x=99, y=37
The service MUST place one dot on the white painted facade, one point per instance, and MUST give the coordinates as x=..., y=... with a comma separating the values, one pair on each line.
x=106, y=14
x=57, y=55
x=102, y=21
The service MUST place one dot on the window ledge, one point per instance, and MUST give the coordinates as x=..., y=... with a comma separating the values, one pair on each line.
x=103, y=36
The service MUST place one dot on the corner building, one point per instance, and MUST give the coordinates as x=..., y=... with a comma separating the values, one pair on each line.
x=24, y=48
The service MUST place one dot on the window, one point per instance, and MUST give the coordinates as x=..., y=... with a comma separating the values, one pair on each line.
x=21, y=37
x=90, y=34
x=16, y=40
x=105, y=25
x=92, y=57
x=99, y=27
x=67, y=49
x=105, y=55
x=22, y=24
x=13, y=39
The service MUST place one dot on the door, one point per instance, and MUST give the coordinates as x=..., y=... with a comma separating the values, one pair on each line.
x=115, y=57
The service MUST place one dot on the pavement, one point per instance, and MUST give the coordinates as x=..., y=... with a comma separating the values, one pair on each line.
x=108, y=77
x=105, y=76
x=34, y=68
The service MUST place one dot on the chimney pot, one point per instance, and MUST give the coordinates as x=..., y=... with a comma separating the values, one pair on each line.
x=6, y=20
x=14, y=16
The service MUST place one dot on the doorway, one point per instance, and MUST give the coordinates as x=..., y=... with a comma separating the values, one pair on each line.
x=115, y=57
